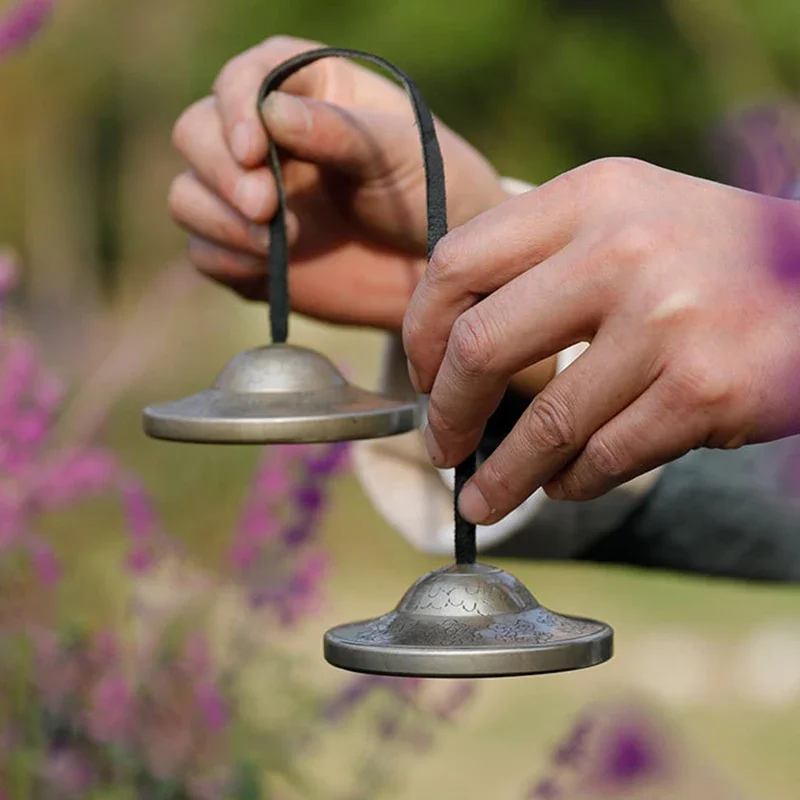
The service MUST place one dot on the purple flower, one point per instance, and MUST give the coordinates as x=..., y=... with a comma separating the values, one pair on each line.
x=295, y=536
x=74, y=476
x=257, y=524
x=388, y=726
x=273, y=478
x=546, y=790
x=139, y=511
x=310, y=498
x=141, y=558
x=455, y=700
x=23, y=22
x=332, y=460
x=302, y=594
x=45, y=563
x=631, y=753
x=353, y=693
x=243, y=554
x=783, y=229
x=278, y=524
x=214, y=707
x=570, y=751
x=759, y=149
x=68, y=773
x=38, y=475
x=111, y=711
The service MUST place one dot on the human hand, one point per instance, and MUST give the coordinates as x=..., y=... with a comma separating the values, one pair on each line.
x=354, y=181
x=695, y=339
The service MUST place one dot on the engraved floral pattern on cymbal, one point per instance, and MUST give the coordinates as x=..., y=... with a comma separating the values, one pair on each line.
x=536, y=627
x=466, y=592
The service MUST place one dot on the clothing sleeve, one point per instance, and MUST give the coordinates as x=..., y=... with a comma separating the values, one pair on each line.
x=417, y=500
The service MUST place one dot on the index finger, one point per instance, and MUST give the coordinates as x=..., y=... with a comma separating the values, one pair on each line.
x=478, y=258
x=236, y=89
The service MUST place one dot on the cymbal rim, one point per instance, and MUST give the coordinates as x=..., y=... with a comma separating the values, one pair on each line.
x=467, y=662
x=388, y=418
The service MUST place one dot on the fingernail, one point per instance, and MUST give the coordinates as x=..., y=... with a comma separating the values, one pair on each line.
x=414, y=378
x=251, y=196
x=287, y=112
x=259, y=236
x=472, y=505
x=243, y=140
x=434, y=451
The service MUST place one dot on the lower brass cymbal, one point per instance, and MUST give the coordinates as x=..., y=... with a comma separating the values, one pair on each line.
x=469, y=621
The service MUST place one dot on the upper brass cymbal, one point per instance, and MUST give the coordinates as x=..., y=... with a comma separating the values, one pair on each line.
x=276, y=394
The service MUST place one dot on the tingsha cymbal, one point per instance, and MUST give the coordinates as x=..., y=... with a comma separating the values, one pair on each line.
x=469, y=621
x=280, y=393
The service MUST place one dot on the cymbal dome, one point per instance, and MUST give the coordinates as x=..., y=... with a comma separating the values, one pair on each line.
x=278, y=368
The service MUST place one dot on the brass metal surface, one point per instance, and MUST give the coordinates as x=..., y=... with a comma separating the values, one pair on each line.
x=470, y=620
x=276, y=394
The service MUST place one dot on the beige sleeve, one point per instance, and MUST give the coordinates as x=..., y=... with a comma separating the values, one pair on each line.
x=416, y=499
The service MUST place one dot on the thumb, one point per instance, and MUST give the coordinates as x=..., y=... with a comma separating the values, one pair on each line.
x=367, y=145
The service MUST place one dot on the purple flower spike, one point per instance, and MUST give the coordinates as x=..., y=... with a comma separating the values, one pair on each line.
x=310, y=498
x=758, y=149
x=273, y=479
x=141, y=517
x=332, y=460
x=571, y=751
x=631, y=754
x=546, y=790
x=140, y=559
x=69, y=774
x=24, y=21
x=45, y=563
x=297, y=535
x=111, y=711
x=784, y=231
x=213, y=706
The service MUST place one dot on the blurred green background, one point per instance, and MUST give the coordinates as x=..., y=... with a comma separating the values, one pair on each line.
x=540, y=86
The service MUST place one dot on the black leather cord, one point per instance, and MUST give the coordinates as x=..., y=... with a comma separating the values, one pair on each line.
x=277, y=274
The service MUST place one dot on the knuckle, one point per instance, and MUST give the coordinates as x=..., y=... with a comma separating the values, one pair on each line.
x=230, y=73
x=600, y=457
x=549, y=424
x=446, y=257
x=281, y=43
x=470, y=344
x=701, y=382
x=610, y=177
x=634, y=243
x=278, y=41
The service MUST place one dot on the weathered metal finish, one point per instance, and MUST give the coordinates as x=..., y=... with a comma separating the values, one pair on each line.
x=469, y=621
x=277, y=394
